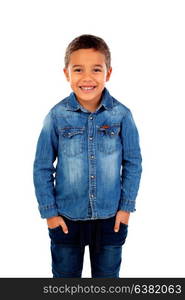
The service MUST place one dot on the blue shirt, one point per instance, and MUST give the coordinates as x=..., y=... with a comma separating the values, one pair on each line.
x=87, y=164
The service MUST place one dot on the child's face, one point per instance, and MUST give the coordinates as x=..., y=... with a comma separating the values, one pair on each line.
x=87, y=74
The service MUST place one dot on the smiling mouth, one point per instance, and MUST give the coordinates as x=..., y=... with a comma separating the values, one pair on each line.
x=87, y=88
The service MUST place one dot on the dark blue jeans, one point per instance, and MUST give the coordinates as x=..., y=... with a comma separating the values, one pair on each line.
x=105, y=247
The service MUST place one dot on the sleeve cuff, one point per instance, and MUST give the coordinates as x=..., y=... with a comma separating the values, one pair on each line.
x=48, y=211
x=127, y=205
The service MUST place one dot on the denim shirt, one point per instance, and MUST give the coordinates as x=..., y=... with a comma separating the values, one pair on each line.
x=87, y=164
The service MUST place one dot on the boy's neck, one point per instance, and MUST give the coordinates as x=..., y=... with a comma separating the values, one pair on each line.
x=91, y=106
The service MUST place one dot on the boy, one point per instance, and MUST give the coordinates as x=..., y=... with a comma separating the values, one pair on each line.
x=96, y=143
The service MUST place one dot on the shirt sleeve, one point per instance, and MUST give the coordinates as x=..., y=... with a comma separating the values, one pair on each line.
x=43, y=168
x=131, y=164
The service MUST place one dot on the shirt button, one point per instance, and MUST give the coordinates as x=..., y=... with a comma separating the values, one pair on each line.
x=90, y=117
x=92, y=176
x=112, y=132
x=90, y=138
x=92, y=156
x=91, y=196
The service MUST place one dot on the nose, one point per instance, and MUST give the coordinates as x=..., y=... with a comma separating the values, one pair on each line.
x=87, y=76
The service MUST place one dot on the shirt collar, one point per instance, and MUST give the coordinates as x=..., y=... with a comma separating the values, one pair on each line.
x=106, y=101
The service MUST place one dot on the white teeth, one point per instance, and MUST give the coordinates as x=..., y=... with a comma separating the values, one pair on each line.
x=87, y=88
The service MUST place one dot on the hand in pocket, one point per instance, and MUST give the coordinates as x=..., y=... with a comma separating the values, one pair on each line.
x=56, y=221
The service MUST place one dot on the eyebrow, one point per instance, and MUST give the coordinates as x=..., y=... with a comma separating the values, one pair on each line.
x=97, y=65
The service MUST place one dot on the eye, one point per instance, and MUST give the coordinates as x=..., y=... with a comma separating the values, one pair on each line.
x=77, y=70
x=97, y=70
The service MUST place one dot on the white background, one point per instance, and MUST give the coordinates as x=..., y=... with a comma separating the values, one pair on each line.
x=147, y=42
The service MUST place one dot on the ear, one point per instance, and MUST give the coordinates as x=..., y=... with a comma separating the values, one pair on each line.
x=66, y=73
x=108, y=74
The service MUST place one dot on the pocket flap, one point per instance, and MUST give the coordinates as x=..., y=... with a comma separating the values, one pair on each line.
x=71, y=131
x=110, y=130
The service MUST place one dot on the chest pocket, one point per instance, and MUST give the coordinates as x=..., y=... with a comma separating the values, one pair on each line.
x=108, y=139
x=72, y=140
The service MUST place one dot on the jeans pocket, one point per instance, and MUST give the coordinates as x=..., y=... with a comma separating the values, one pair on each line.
x=123, y=232
x=54, y=228
x=109, y=236
x=57, y=235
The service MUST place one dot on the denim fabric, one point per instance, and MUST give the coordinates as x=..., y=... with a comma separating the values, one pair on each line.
x=67, y=252
x=97, y=156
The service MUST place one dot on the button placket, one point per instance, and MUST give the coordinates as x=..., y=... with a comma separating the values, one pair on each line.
x=92, y=165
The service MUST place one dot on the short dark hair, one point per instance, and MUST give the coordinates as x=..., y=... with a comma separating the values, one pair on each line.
x=87, y=41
